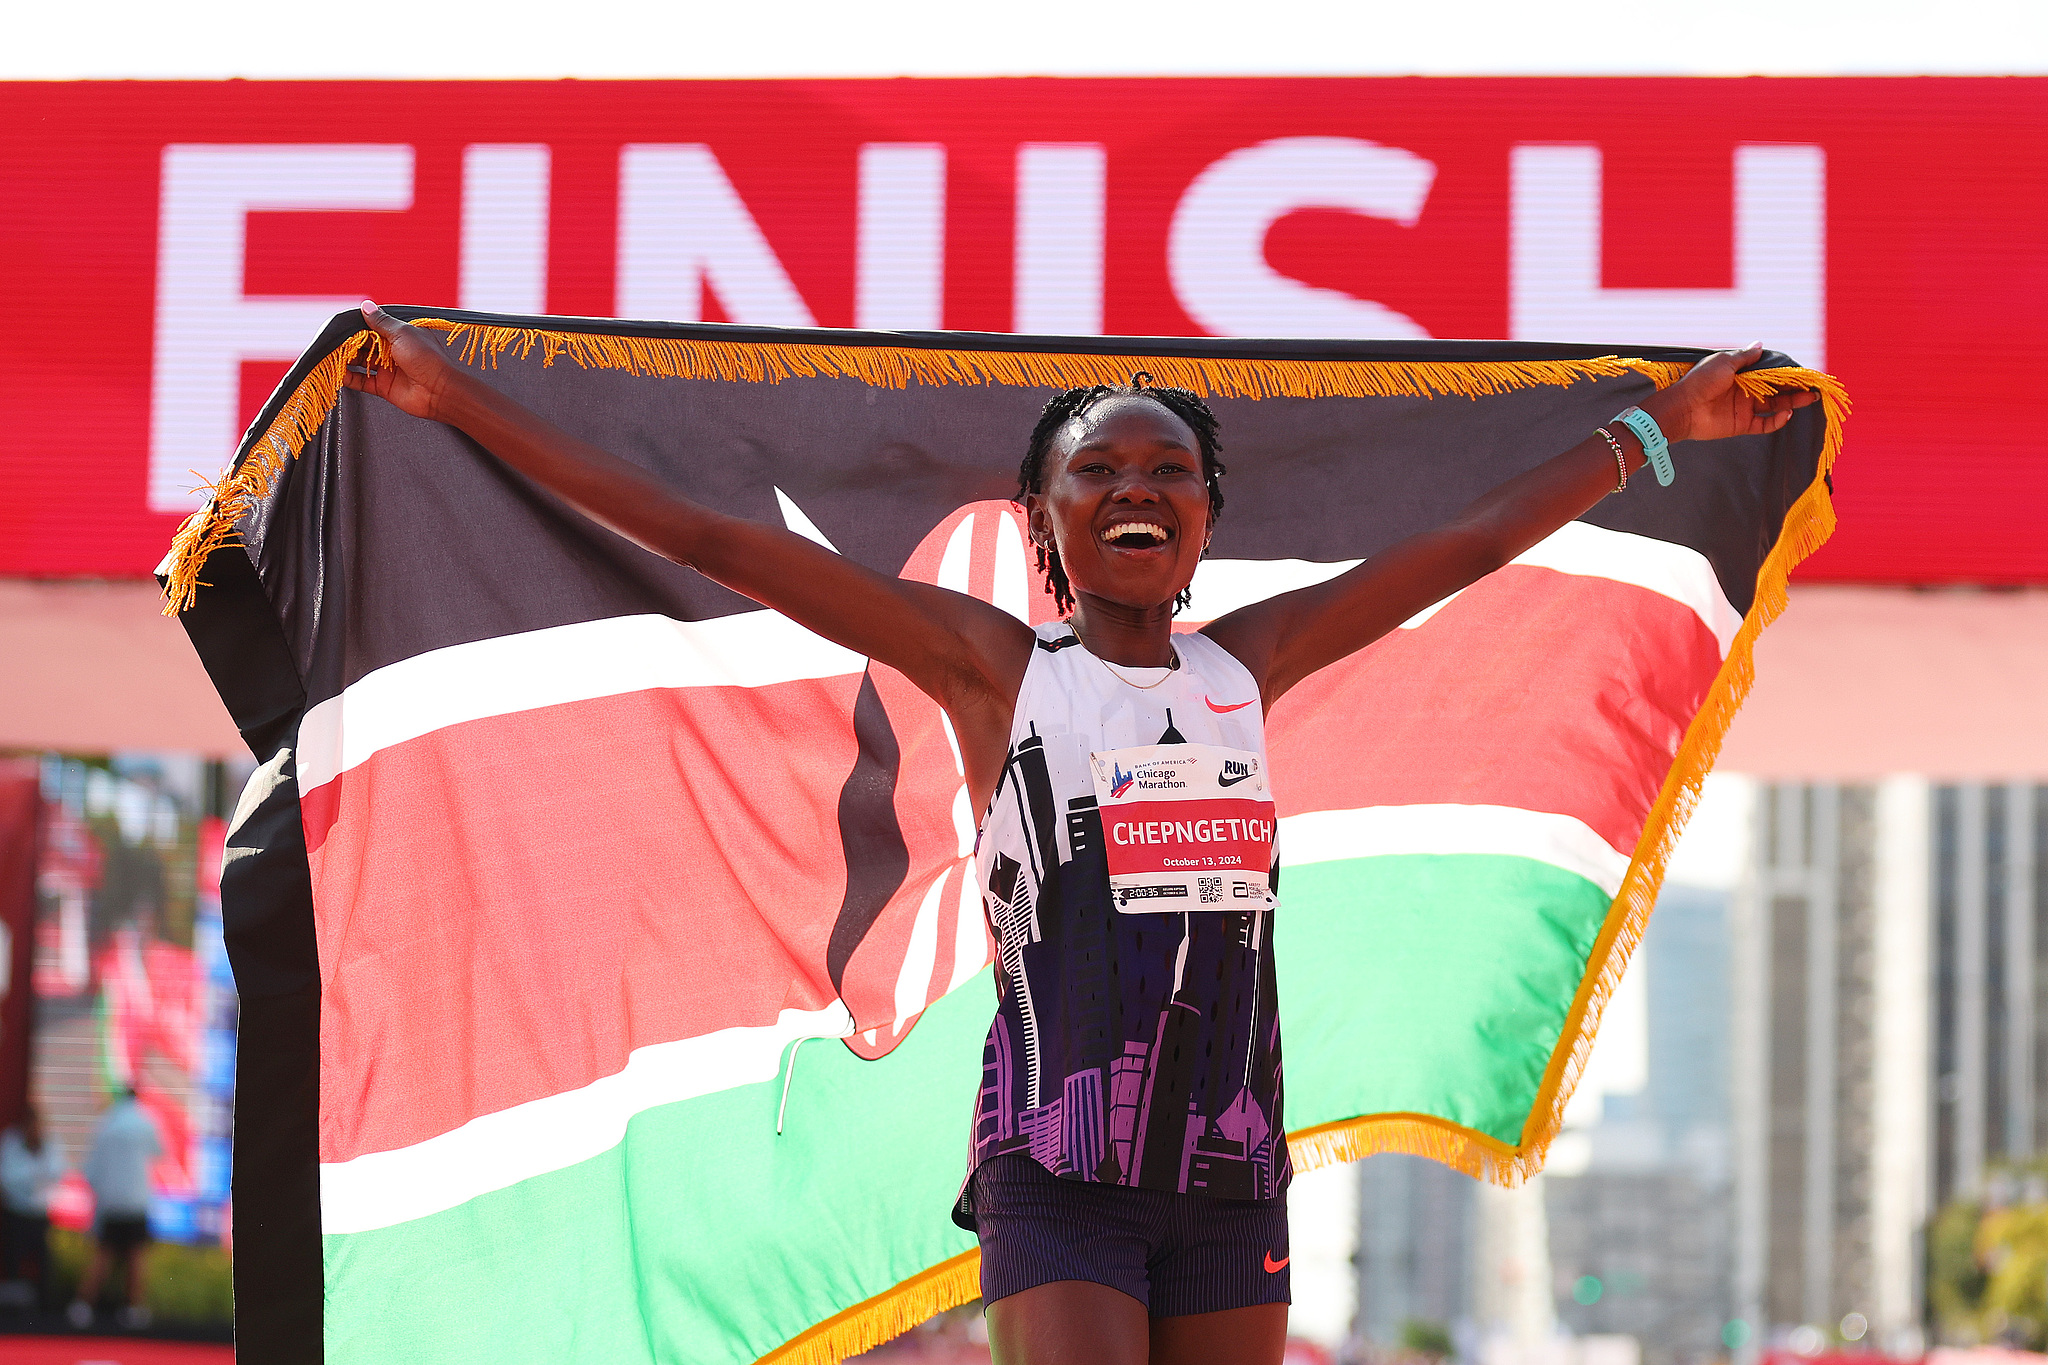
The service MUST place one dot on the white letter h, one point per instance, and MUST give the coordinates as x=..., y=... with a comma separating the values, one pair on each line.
x=1780, y=293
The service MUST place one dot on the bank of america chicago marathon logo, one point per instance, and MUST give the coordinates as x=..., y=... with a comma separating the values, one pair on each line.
x=1151, y=775
x=1159, y=775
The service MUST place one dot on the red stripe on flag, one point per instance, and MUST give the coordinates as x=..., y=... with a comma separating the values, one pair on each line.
x=658, y=865
x=1534, y=689
x=506, y=908
x=631, y=869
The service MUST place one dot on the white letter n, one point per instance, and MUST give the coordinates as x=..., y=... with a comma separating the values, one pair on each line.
x=682, y=224
x=1780, y=293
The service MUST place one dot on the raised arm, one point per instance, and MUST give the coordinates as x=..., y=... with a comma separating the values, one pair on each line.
x=1285, y=638
x=959, y=650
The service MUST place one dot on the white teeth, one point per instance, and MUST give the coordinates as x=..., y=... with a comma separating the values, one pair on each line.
x=1131, y=527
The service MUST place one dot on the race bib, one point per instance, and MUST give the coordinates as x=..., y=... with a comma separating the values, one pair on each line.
x=1186, y=827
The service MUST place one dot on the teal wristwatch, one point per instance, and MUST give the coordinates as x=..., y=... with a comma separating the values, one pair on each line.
x=1655, y=447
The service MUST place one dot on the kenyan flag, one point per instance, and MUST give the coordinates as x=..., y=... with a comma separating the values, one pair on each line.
x=613, y=976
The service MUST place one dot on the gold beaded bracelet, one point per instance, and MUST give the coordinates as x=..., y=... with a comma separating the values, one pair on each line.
x=1620, y=459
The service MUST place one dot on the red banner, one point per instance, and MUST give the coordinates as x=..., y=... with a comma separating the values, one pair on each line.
x=21, y=818
x=115, y=1351
x=169, y=246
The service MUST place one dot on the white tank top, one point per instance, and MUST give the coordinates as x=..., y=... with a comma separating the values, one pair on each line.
x=1125, y=861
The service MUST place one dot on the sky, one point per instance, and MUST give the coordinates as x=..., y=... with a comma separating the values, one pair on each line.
x=211, y=39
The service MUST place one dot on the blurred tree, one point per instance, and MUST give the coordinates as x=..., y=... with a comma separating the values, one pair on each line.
x=2012, y=1247
x=1955, y=1281
x=1987, y=1265
x=1431, y=1340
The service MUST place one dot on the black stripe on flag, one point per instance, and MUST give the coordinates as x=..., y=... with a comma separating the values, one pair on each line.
x=391, y=536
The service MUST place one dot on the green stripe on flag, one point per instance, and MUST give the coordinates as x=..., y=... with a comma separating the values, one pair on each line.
x=701, y=1231
x=1427, y=984
x=1384, y=963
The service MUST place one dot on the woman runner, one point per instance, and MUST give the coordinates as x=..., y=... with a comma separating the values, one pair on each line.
x=1129, y=1171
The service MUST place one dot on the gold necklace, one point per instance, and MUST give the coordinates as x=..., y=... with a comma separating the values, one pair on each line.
x=1173, y=663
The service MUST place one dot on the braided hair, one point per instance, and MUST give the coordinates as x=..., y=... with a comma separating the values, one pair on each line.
x=1067, y=406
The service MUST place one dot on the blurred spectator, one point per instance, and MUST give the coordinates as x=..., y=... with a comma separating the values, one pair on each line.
x=31, y=1163
x=123, y=1146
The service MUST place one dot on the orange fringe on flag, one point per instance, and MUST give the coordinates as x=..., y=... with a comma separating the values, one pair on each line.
x=1807, y=527
x=867, y=1325
x=894, y=367
x=235, y=494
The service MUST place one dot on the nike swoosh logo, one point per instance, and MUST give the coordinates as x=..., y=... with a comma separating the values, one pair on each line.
x=1222, y=781
x=1274, y=1267
x=1226, y=710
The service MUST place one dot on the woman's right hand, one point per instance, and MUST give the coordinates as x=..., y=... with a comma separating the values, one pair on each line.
x=419, y=376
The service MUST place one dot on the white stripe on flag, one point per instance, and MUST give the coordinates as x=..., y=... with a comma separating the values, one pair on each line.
x=623, y=654
x=1678, y=572
x=1563, y=841
x=537, y=668
x=494, y=1151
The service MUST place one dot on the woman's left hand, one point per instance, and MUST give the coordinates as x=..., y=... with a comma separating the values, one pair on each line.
x=1708, y=405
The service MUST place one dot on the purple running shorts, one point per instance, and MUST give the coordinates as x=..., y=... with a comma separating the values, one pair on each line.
x=1177, y=1254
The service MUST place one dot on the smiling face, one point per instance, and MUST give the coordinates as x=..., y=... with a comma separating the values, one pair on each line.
x=1124, y=502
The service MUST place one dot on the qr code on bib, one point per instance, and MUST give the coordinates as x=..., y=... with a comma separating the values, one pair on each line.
x=1210, y=889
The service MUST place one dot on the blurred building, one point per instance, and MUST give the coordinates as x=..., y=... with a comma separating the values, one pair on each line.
x=1989, y=860
x=1889, y=1035
x=1417, y=1223
x=1638, y=1203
